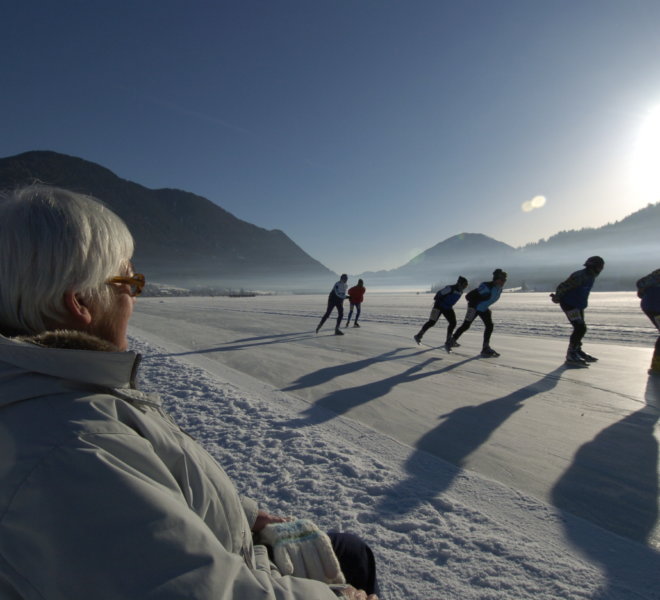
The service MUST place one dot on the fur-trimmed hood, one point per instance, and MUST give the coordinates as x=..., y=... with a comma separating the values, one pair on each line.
x=68, y=339
x=61, y=359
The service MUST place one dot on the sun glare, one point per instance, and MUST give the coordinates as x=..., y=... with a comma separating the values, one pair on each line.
x=533, y=204
x=646, y=159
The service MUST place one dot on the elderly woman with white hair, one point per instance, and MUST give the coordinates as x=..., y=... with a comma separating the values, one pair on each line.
x=101, y=495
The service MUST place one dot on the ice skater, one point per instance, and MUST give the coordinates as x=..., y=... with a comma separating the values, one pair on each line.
x=479, y=300
x=336, y=300
x=356, y=297
x=443, y=304
x=572, y=296
x=648, y=289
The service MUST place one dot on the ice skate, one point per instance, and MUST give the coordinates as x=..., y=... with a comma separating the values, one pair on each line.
x=338, y=331
x=586, y=357
x=355, y=325
x=574, y=359
x=447, y=347
x=418, y=339
x=488, y=352
x=455, y=344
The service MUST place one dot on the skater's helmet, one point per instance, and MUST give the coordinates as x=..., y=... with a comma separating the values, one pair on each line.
x=595, y=262
x=461, y=282
x=499, y=274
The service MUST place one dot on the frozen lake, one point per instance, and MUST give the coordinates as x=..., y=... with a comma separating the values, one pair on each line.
x=613, y=317
x=582, y=441
x=378, y=375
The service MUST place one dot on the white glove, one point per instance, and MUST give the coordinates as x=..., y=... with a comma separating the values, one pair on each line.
x=301, y=549
x=350, y=593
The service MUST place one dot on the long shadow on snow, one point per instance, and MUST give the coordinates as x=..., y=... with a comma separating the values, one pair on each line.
x=461, y=433
x=613, y=482
x=265, y=340
x=329, y=373
x=341, y=401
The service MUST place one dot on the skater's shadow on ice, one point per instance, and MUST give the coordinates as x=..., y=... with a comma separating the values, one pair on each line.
x=244, y=343
x=329, y=373
x=613, y=482
x=461, y=433
x=341, y=401
x=272, y=339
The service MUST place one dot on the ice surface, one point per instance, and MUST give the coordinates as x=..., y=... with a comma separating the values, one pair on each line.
x=471, y=478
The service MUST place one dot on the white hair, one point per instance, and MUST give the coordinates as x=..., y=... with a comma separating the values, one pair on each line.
x=54, y=241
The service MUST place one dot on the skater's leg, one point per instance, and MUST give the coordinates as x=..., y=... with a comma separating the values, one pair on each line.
x=350, y=314
x=450, y=315
x=425, y=328
x=487, y=318
x=575, y=317
x=469, y=317
x=340, y=314
x=358, y=310
x=324, y=318
x=433, y=319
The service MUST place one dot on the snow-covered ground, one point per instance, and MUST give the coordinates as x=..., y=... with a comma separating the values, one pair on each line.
x=471, y=478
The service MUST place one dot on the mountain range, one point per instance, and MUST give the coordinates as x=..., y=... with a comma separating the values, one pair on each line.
x=181, y=238
x=187, y=240
x=630, y=247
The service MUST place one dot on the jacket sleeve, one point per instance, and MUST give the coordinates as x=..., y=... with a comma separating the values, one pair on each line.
x=105, y=519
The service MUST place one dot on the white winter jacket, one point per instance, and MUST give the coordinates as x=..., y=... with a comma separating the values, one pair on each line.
x=102, y=496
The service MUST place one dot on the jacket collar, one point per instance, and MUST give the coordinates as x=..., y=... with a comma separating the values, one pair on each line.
x=68, y=355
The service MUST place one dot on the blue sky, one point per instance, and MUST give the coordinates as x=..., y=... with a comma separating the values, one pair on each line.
x=367, y=130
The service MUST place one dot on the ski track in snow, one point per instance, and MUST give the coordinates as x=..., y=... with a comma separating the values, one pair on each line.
x=462, y=542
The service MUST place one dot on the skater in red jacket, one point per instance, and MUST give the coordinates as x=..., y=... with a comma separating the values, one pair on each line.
x=356, y=296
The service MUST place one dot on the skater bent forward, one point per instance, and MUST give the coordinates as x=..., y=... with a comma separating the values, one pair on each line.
x=336, y=300
x=443, y=304
x=479, y=301
x=573, y=297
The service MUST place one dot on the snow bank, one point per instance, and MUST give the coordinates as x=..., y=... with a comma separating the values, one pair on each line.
x=437, y=531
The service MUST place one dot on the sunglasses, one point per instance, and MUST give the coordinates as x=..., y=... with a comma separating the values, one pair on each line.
x=135, y=283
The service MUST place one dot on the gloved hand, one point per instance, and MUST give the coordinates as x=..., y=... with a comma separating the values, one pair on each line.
x=301, y=549
x=350, y=593
x=554, y=298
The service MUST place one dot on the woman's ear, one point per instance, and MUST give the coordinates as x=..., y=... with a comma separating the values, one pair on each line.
x=79, y=315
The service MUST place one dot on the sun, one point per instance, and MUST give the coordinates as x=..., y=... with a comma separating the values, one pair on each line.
x=646, y=158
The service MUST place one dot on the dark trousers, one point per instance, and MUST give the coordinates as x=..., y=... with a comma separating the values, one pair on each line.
x=334, y=301
x=447, y=313
x=470, y=316
x=357, y=312
x=575, y=317
x=356, y=560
